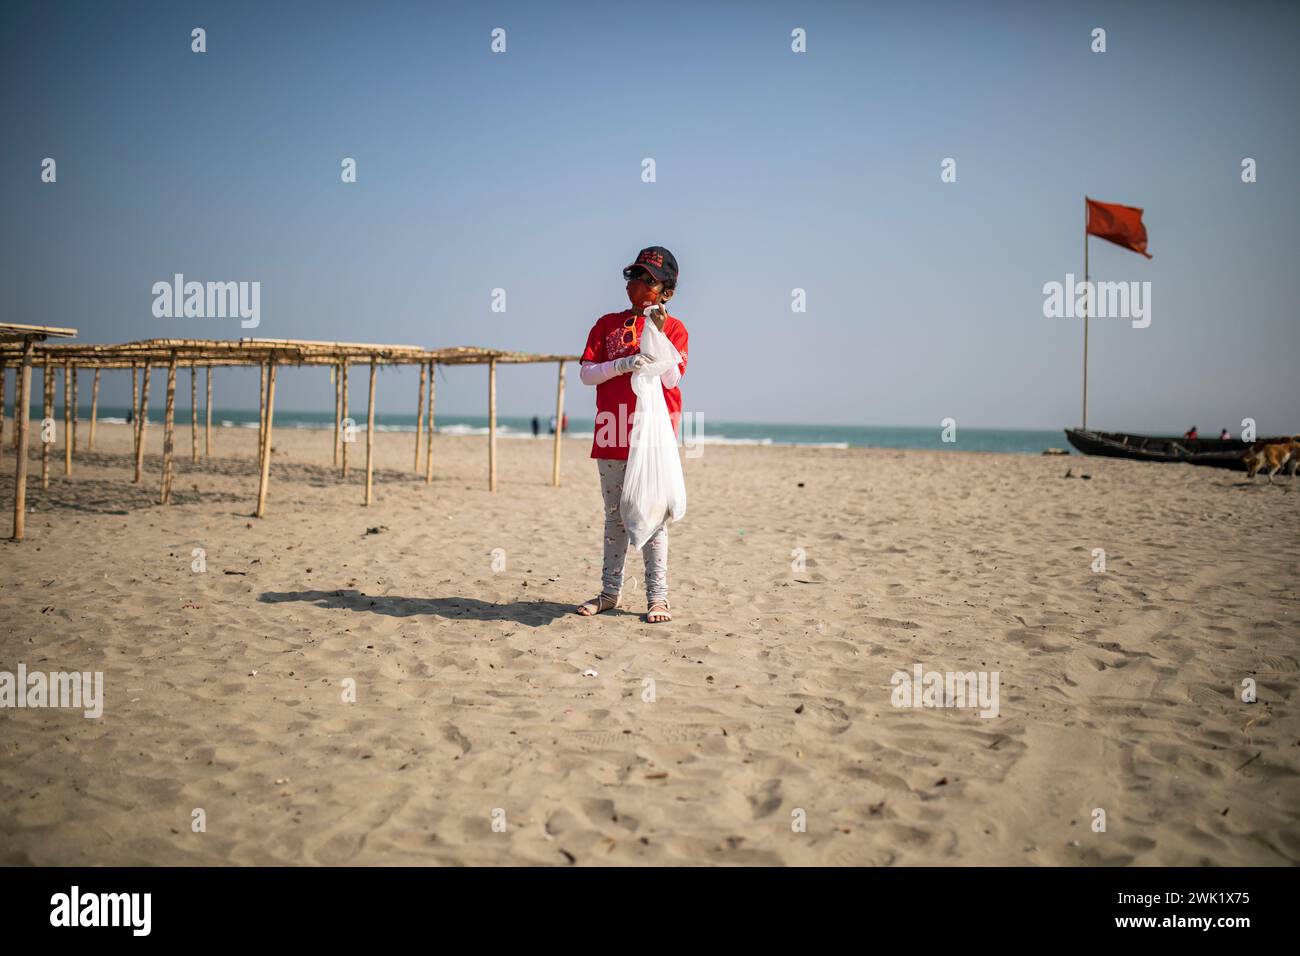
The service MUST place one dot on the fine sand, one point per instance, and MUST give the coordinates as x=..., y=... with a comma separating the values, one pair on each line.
x=1119, y=691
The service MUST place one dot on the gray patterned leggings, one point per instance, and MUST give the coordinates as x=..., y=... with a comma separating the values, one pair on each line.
x=655, y=551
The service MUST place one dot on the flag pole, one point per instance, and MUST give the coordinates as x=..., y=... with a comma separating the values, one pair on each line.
x=1086, y=309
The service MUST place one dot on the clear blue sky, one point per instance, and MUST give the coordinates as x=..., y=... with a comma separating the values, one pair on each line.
x=775, y=171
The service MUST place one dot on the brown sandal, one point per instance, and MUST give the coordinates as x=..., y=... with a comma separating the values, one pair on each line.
x=658, y=613
x=602, y=602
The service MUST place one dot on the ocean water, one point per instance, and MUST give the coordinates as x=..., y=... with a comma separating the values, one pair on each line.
x=1014, y=441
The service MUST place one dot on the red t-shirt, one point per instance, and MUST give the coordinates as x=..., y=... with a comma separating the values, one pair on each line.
x=608, y=340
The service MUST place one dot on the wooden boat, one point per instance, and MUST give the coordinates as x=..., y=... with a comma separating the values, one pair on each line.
x=1215, y=452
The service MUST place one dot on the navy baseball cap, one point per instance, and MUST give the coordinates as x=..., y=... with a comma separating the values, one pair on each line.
x=657, y=261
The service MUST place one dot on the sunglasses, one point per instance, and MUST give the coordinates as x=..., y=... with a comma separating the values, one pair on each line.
x=629, y=331
x=637, y=272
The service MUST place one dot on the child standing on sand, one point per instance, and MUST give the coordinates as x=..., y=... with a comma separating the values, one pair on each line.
x=613, y=351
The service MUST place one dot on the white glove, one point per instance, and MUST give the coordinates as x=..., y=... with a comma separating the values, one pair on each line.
x=630, y=363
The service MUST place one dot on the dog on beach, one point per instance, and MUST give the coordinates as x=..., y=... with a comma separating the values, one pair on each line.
x=1272, y=456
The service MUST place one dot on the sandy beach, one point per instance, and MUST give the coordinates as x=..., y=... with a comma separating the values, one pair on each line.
x=772, y=696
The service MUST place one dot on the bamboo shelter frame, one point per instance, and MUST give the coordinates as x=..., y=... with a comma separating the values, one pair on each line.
x=21, y=350
x=21, y=340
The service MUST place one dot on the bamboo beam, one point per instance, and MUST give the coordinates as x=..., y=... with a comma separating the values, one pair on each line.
x=15, y=331
x=559, y=430
x=250, y=352
x=47, y=415
x=194, y=413
x=94, y=408
x=428, y=443
x=3, y=369
x=369, y=348
x=492, y=425
x=67, y=418
x=344, y=418
x=336, y=377
x=370, y=434
x=207, y=411
x=169, y=420
x=264, y=481
x=140, y=420
x=419, y=416
x=22, y=412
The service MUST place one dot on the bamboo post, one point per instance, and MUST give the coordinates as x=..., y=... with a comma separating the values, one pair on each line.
x=18, y=373
x=337, y=378
x=428, y=441
x=207, y=411
x=492, y=424
x=140, y=420
x=559, y=420
x=22, y=412
x=21, y=427
x=67, y=417
x=419, y=415
x=261, y=417
x=135, y=409
x=94, y=408
x=344, y=418
x=370, y=433
x=265, y=480
x=3, y=369
x=194, y=412
x=76, y=405
x=47, y=414
x=169, y=418
x=1086, y=310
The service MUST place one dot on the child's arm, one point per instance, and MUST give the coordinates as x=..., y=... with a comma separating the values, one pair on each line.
x=592, y=357
x=595, y=373
x=673, y=376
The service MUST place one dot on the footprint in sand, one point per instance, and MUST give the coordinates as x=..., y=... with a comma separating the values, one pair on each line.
x=682, y=733
x=608, y=738
x=766, y=738
x=857, y=853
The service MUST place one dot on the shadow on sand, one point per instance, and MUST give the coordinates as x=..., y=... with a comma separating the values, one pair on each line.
x=531, y=613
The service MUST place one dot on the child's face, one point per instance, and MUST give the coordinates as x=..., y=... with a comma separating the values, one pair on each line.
x=643, y=291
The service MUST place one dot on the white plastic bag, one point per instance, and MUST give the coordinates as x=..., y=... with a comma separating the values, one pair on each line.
x=654, y=489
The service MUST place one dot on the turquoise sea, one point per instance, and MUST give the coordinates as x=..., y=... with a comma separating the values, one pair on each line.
x=1018, y=441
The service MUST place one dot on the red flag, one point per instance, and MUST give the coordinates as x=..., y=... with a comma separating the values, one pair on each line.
x=1121, y=225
